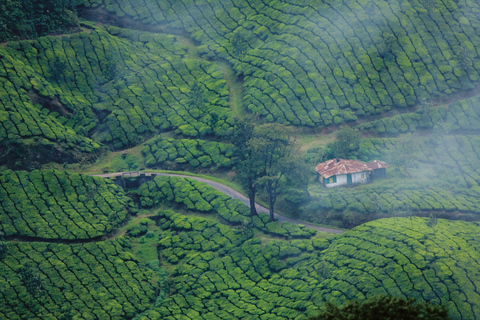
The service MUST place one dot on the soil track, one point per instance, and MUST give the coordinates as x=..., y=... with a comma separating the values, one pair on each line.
x=226, y=190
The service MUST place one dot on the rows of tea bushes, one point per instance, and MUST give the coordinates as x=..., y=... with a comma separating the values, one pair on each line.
x=122, y=85
x=461, y=115
x=401, y=257
x=322, y=63
x=22, y=119
x=220, y=274
x=187, y=151
x=454, y=159
x=53, y=204
x=445, y=178
x=59, y=281
x=199, y=196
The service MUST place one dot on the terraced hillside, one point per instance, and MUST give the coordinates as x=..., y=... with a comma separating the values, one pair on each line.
x=213, y=270
x=49, y=204
x=403, y=257
x=317, y=63
x=443, y=174
x=219, y=275
x=115, y=86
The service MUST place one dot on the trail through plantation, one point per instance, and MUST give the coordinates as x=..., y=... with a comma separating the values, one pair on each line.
x=230, y=192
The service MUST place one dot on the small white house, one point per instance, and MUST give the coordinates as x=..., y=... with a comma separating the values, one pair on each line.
x=337, y=172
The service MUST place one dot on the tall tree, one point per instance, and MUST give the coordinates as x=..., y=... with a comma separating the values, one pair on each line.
x=348, y=141
x=240, y=46
x=246, y=168
x=274, y=149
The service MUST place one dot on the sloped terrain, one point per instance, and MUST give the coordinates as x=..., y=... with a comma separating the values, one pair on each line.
x=322, y=63
x=50, y=204
x=89, y=281
x=400, y=256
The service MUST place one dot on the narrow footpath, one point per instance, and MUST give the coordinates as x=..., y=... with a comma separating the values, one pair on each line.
x=226, y=190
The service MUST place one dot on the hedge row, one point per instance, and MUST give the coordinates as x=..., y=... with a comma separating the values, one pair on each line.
x=201, y=197
x=187, y=151
x=407, y=258
x=88, y=281
x=320, y=63
x=54, y=204
x=461, y=115
x=122, y=85
x=219, y=274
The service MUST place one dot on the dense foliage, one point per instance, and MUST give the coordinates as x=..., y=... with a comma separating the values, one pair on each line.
x=321, y=63
x=26, y=19
x=88, y=281
x=383, y=308
x=53, y=204
x=399, y=256
x=199, y=196
x=116, y=86
x=220, y=274
x=194, y=153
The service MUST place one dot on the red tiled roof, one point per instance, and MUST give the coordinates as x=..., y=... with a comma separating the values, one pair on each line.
x=340, y=166
x=376, y=164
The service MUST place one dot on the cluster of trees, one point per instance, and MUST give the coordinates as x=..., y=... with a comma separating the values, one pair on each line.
x=190, y=152
x=199, y=196
x=383, y=307
x=27, y=19
x=266, y=159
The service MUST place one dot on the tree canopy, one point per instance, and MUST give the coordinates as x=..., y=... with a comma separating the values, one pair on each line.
x=383, y=307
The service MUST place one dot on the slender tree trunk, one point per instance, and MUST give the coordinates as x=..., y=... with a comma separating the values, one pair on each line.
x=251, y=196
x=271, y=199
x=271, y=204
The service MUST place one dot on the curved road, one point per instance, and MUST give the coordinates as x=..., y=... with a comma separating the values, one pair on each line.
x=224, y=189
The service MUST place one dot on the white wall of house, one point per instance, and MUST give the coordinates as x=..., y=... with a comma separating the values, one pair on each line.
x=360, y=177
x=341, y=179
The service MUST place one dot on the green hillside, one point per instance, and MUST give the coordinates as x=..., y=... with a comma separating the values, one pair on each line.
x=50, y=204
x=210, y=263
x=317, y=63
x=403, y=257
x=103, y=86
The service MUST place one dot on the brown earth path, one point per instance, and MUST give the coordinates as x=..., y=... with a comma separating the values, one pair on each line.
x=226, y=190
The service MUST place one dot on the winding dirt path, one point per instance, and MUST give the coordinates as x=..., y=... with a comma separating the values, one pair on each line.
x=224, y=189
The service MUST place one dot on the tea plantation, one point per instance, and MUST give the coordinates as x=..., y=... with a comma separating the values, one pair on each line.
x=86, y=281
x=131, y=85
x=195, y=153
x=201, y=197
x=317, y=63
x=117, y=86
x=221, y=275
x=399, y=256
x=50, y=204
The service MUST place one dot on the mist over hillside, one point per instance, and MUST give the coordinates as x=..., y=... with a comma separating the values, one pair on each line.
x=157, y=157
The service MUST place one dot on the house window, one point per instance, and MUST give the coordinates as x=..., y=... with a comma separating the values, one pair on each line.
x=332, y=179
x=363, y=176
